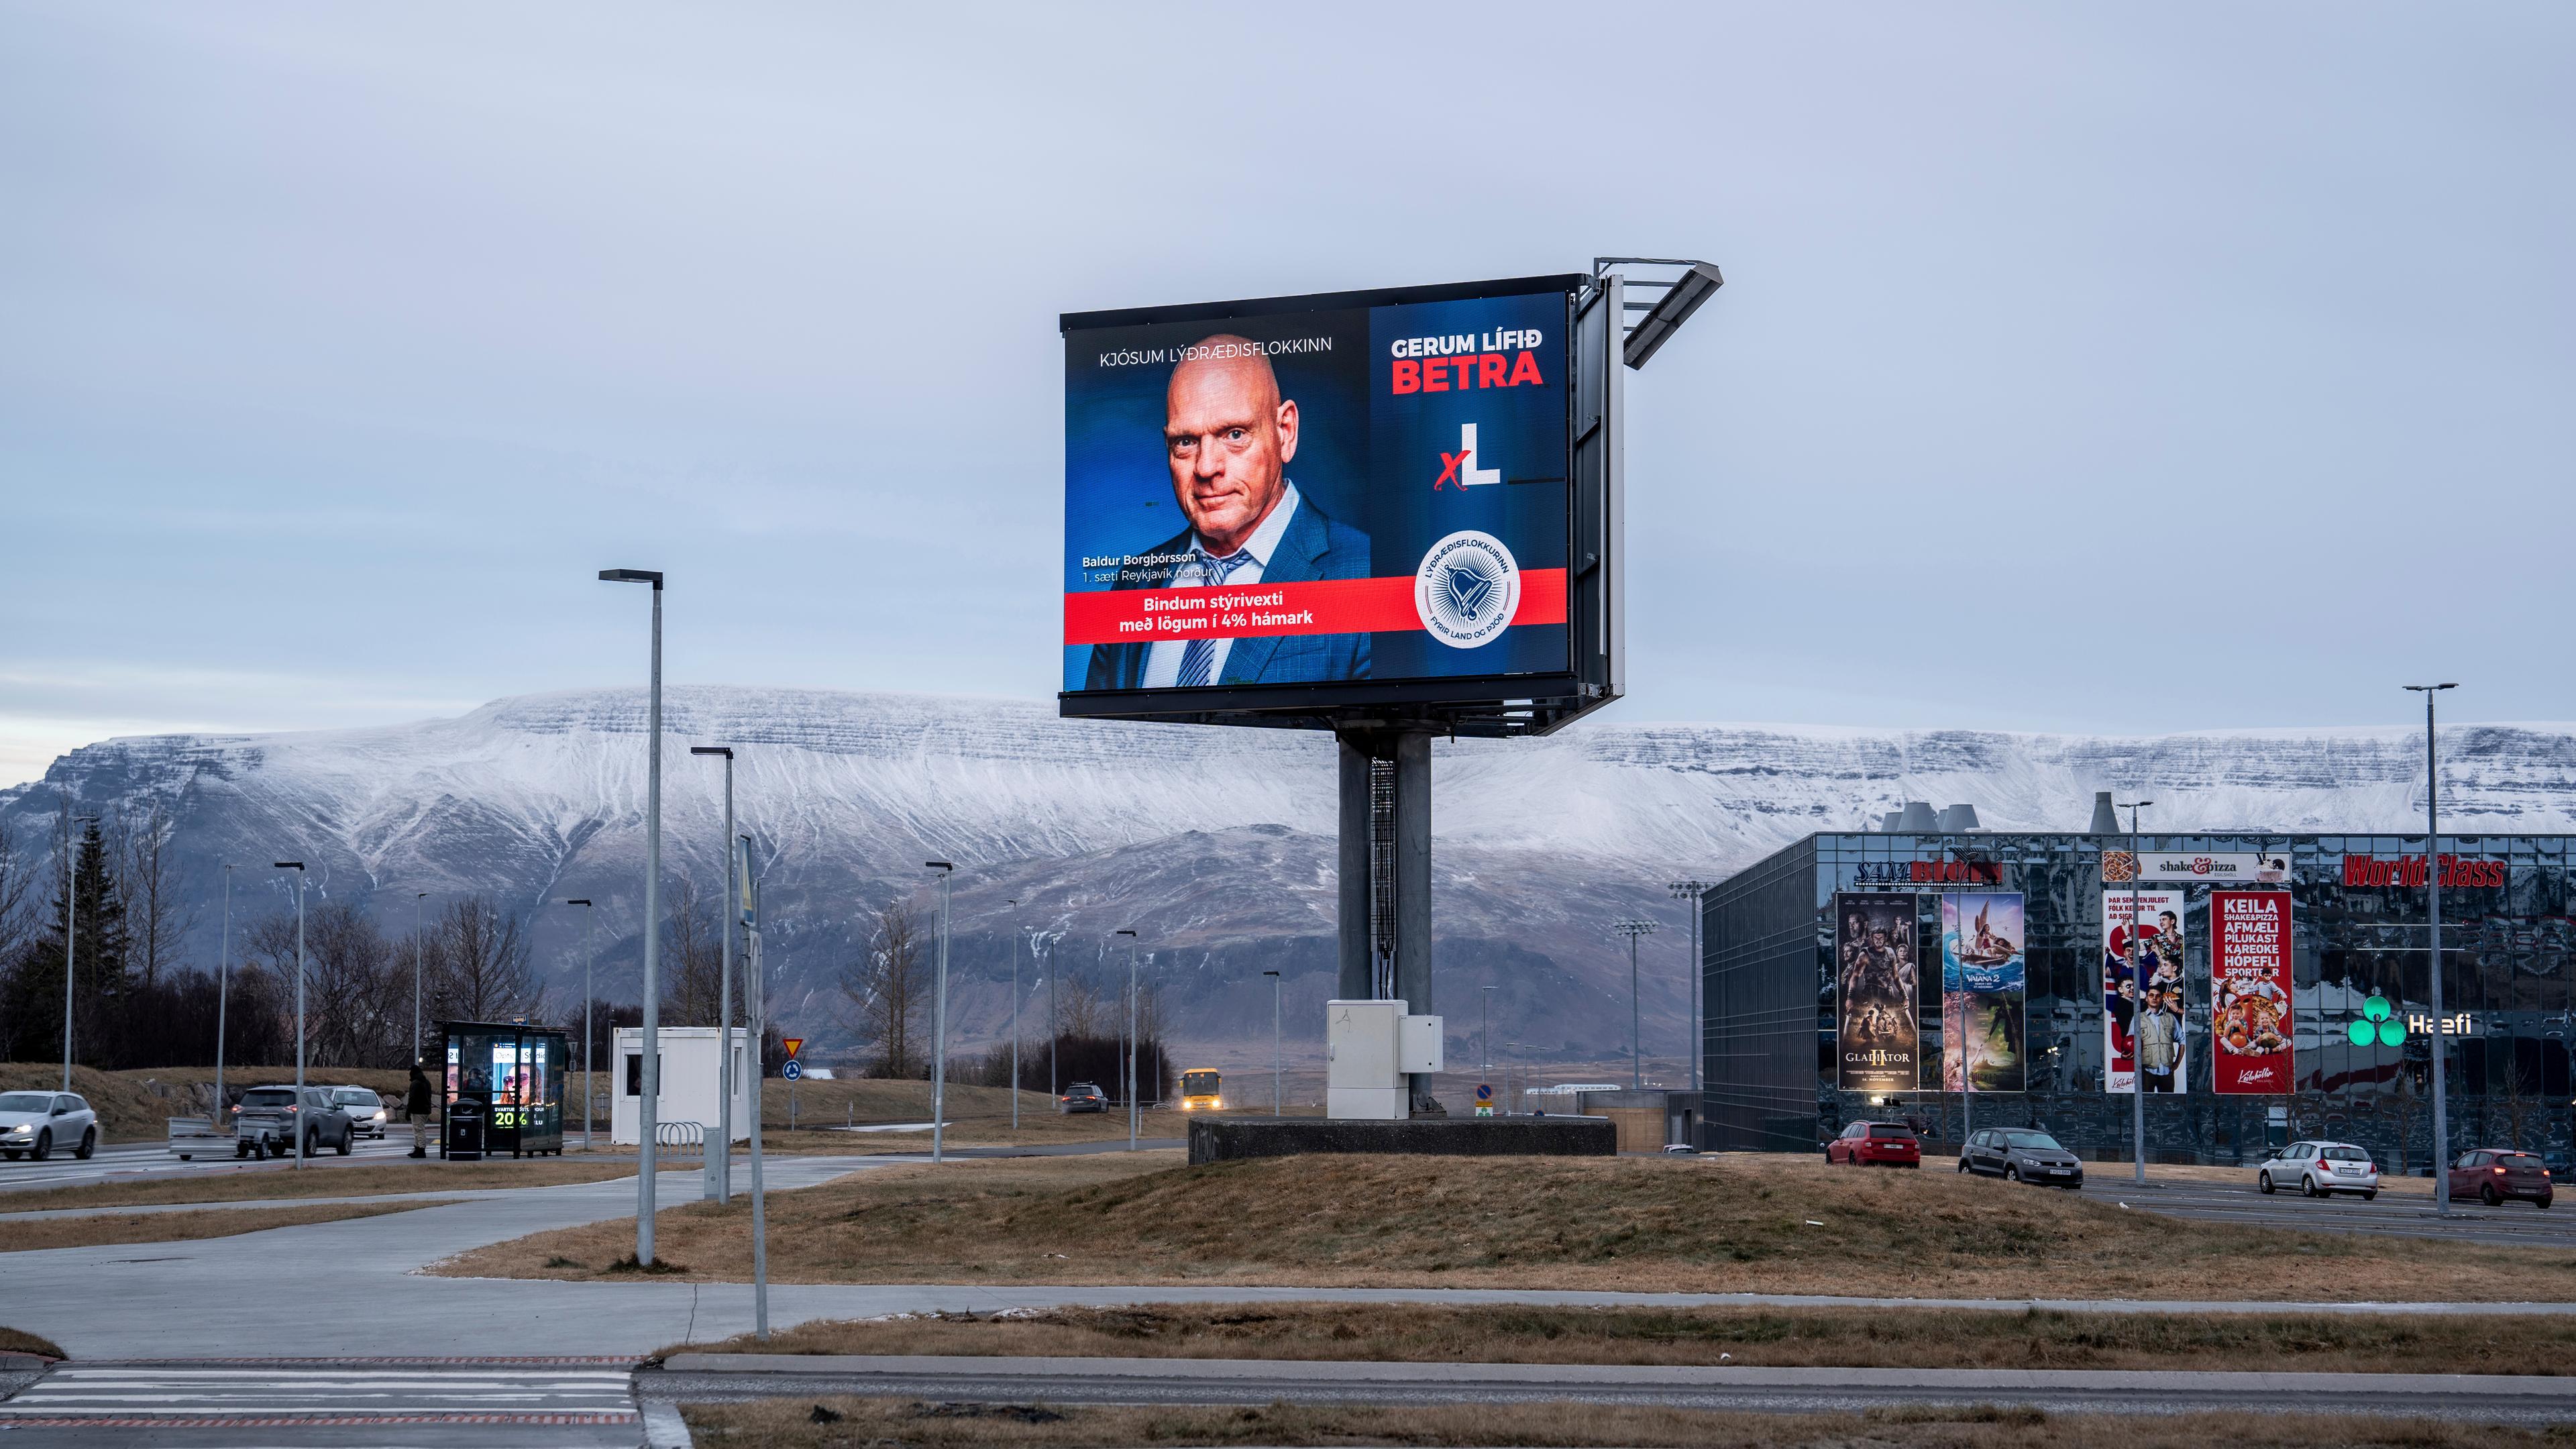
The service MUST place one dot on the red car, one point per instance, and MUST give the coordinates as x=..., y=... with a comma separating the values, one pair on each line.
x=1889, y=1144
x=2492, y=1174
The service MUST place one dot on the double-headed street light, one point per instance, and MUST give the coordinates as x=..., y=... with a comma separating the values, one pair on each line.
x=297, y=866
x=1632, y=929
x=724, y=992
x=939, y=1022
x=647, y=1123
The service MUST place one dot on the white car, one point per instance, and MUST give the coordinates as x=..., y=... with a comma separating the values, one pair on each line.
x=366, y=1110
x=2321, y=1169
x=34, y=1124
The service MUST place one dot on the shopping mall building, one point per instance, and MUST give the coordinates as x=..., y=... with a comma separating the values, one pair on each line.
x=1779, y=1077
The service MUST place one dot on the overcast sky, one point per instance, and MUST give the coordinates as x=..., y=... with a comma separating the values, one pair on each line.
x=2185, y=367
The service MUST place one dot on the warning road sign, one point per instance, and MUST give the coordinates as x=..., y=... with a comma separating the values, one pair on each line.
x=795, y=1044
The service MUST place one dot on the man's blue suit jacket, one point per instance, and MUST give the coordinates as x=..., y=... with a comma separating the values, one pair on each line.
x=1314, y=547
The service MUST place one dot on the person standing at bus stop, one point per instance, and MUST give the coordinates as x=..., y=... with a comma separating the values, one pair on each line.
x=416, y=1107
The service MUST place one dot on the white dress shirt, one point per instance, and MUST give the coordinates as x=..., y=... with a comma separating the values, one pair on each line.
x=1163, y=659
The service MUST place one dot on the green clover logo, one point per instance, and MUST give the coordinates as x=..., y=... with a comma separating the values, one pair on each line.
x=2378, y=1025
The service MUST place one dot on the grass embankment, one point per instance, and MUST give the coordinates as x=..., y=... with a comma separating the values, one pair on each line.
x=111, y=1228
x=254, y=1182
x=131, y=1110
x=15, y=1341
x=1749, y=1223
x=848, y=1423
x=1763, y=1338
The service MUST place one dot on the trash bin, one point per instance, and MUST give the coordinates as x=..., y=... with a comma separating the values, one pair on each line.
x=466, y=1120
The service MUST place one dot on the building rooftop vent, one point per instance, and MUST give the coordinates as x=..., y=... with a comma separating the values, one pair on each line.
x=1958, y=819
x=1887, y=822
x=1917, y=818
x=2106, y=821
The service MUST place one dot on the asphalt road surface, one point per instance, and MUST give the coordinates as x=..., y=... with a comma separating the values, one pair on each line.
x=688, y=1378
x=2514, y=1224
x=146, y=1161
x=576, y=1403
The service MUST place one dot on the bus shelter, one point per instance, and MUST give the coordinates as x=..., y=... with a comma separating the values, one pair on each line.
x=504, y=1090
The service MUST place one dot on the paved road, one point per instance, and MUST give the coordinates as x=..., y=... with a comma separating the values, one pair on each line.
x=567, y=1402
x=145, y=1161
x=692, y=1378
x=2510, y=1225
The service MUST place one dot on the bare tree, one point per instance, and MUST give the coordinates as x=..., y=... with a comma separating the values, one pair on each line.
x=1084, y=1011
x=691, y=959
x=357, y=1001
x=886, y=990
x=482, y=963
x=157, y=914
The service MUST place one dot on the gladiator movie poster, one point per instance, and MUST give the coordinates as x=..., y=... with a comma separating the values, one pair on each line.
x=2142, y=1017
x=2249, y=991
x=1875, y=976
x=1983, y=987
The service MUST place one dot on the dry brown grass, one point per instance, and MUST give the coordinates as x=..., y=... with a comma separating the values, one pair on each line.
x=850, y=1423
x=251, y=1182
x=1766, y=1338
x=17, y=1341
x=107, y=1229
x=1736, y=1224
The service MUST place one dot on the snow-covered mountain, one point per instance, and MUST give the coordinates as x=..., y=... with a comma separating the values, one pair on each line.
x=1215, y=844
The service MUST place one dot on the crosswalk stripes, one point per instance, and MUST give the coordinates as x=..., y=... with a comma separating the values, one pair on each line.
x=306, y=1393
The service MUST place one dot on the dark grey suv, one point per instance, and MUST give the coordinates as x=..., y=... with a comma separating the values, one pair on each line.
x=268, y=1120
x=2021, y=1154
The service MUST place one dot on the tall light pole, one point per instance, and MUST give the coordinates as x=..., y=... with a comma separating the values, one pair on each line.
x=756, y=1007
x=223, y=988
x=1274, y=1041
x=939, y=1022
x=416, y=943
x=71, y=924
x=589, y=956
x=2138, y=993
x=1485, y=1031
x=1055, y=1025
x=1131, y=1035
x=1015, y=1014
x=297, y=866
x=647, y=1124
x=724, y=994
x=2433, y=949
x=1632, y=929
x=1692, y=890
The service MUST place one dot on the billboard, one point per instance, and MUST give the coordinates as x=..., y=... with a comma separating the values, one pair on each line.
x=2208, y=867
x=2249, y=991
x=1355, y=499
x=1984, y=985
x=2142, y=997
x=1875, y=973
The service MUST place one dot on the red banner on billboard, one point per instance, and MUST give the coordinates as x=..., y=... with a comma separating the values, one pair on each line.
x=2249, y=990
x=1251, y=611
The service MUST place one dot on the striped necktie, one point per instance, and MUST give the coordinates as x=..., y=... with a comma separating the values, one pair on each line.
x=1198, y=659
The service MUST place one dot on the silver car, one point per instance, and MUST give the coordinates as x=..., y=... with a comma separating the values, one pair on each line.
x=33, y=1124
x=366, y=1110
x=2320, y=1169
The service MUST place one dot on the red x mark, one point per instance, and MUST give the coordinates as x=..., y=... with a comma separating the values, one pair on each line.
x=1448, y=469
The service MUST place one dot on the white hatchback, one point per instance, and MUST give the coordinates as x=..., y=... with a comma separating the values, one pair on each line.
x=37, y=1124
x=366, y=1110
x=2321, y=1169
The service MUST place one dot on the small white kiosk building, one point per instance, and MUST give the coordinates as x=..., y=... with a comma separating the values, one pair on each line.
x=689, y=1080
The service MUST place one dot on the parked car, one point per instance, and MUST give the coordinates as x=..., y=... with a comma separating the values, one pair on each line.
x=267, y=1121
x=2321, y=1169
x=1890, y=1144
x=1082, y=1097
x=33, y=1124
x=2021, y=1154
x=2493, y=1174
x=1680, y=1149
x=366, y=1110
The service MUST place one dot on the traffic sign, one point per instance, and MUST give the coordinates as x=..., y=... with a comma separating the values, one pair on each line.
x=794, y=1045
x=792, y=1070
x=1484, y=1092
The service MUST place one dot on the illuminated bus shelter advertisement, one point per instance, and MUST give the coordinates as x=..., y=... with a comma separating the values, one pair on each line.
x=513, y=1075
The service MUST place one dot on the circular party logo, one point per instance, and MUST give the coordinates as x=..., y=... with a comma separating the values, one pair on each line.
x=1467, y=589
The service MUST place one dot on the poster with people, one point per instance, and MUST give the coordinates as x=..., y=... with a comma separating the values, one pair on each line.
x=1875, y=973
x=2142, y=997
x=2249, y=991
x=1984, y=985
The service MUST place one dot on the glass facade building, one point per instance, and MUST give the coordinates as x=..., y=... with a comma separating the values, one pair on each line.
x=2358, y=927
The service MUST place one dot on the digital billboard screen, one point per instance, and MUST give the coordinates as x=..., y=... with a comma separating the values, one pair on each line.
x=1320, y=496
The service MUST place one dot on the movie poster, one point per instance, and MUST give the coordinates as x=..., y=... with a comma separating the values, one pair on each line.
x=2142, y=1017
x=2249, y=991
x=1983, y=987
x=1876, y=972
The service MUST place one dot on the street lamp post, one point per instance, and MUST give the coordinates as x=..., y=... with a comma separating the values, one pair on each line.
x=1632, y=929
x=589, y=955
x=756, y=1008
x=724, y=995
x=223, y=988
x=71, y=924
x=1015, y=1014
x=1692, y=890
x=297, y=866
x=939, y=1023
x=1274, y=1041
x=2433, y=952
x=2138, y=1008
x=416, y=898
x=1131, y=1036
x=647, y=1113
x=1485, y=1031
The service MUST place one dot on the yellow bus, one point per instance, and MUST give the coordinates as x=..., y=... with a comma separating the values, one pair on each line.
x=1201, y=1091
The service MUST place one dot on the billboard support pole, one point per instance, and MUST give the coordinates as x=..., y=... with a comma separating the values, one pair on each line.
x=1354, y=916
x=1412, y=905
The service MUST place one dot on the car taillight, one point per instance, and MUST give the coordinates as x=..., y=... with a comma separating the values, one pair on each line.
x=2499, y=1172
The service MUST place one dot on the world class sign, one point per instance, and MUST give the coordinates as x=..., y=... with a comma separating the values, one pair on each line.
x=2409, y=871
